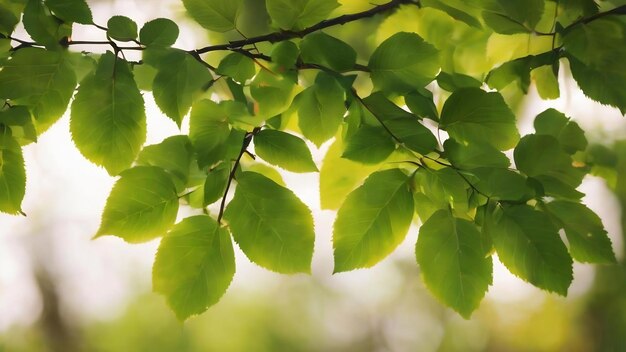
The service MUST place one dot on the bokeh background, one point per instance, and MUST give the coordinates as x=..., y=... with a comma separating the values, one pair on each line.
x=62, y=291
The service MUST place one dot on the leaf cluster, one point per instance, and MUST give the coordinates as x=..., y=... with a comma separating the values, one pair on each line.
x=261, y=101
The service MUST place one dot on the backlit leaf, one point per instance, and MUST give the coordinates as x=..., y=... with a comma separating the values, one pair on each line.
x=284, y=150
x=71, y=10
x=528, y=244
x=322, y=49
x=271, y=225
x=372, y=221
x=108, y=121
x=588, y=241
x=122, y=28
x=473, y=115
x=173, y=154
x=299, y=14
x=194, y=265
x=321, y=109
x=142, y=205
x=403, y=62
x=44, y=80
x=178, y=83
x=449, y=253
x=159, y=32
x=12, y=175
x=214, y=15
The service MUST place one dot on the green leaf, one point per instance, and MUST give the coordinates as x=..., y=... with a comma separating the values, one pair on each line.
x=474, y=155
x=588, y=241
x=369, y=145
x=271, y=225
x=159, y=32
x=528, y=244
x=444, y=187
x=322, y=49
x=71, y=10
x=546, y=81
x=142, y=205
x=284, y=150
x=10, y=14
x=473, y=115
x=403, y=63
x=372, y=221
x=517, y=70
x=19, y=120
x=122, y=28
x=421, y=104
x=503, y=24
x=44, y=80
x=209, y=131
x=525, y=13
x=178, y=83
x=215, y=184
x=237, y=66
x=12, y=175
x=108, y=121
x=194, y=265
x=214, y=15
x=403, y=125
x=299, y=14
x=455, y=269
x=334, y=185
x=285, y=54
x=543, y=158
x=321, y=109
x=272, y=93
x=453, y=9
x=454, y=81
x=173, y=154
x=42, y=27
x=501, y=184
x=554, y=123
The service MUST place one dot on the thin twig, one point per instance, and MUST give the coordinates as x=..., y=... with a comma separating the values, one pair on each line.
x=244, y=148
x=286, y=35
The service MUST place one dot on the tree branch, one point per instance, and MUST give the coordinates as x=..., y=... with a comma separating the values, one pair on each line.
x=620, y=10
x=244, y=149
x=286, y=35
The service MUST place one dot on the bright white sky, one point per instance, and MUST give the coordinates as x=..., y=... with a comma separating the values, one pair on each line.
x=66, y=194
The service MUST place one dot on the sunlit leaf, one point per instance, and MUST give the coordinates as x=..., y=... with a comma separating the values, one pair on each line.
x=173, y=154
x=588, y=241
x=44, y=80
x=372, y=221
x=122, y=28
x=321, y=109
x=12, y=175
x=159, y=32
x=299, y=14
x=271, y=225
x=473, y=115
x=194, y=265
x=528, y=244
x=451, y=259
x=108, y=121
x=323, y=49
x=142, y=205
x=214, y=15
x=284, y=150
x=403, y=62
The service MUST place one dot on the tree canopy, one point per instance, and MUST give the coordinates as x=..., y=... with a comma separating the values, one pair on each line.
x=417, y=98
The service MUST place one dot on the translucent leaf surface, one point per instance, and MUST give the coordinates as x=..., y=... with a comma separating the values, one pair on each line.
x=194, y=265
x=12, y=175
x=529, y=245
x=108, y=121
x=372, y=221
x=473, y=115
x=452, y=262
x=284, y=150
x=142, y=205
x=271, y=225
